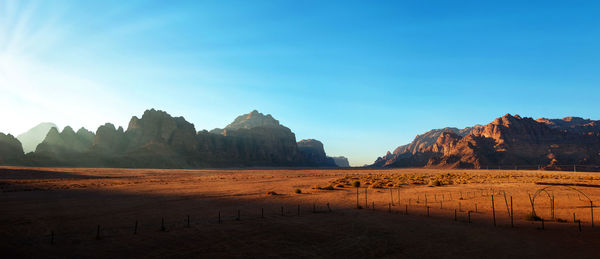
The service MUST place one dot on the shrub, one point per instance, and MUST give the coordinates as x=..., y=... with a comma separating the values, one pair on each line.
x=532, y=217
x=271, y=193
x=377, y=185
x=434, y=183
x=298, y=191
x=356, y=184
x=328, y=187
x=340, y=185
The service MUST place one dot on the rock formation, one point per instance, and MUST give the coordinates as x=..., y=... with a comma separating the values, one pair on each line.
x=35, y=136
x=507, y=142
x=159, y=140
x=314, y=154
x=341, y=161
x=11, y=151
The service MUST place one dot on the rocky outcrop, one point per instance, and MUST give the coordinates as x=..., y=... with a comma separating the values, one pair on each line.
x=158, y=140
x=314, y=154
x=11, y=151
x=507, y=142
x=67, y=141
x=35, y=136
x=341, y=161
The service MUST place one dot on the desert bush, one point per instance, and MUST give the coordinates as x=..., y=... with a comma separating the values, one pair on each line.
x=532, y=217
x=434, y=182
x=376, y=185
x=271, y=193
x=356, y=184
x=298, y=191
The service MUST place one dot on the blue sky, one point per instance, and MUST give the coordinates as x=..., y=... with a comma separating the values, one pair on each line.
x=362, y=77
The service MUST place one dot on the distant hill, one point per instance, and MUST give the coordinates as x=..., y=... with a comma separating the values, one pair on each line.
x=507, y=142
x=35, y=136
x=158, y=140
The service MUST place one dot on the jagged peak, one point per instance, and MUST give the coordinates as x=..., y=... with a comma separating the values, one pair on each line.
x=67, y=130
x=252, y=120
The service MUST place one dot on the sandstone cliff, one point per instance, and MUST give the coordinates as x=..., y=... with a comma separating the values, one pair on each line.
x=507, y=142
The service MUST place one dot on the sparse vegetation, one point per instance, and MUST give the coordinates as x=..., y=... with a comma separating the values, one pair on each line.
x=298, y=191
x=392, y=180
x=434, y=182
x=271, y=193
x=532, y=217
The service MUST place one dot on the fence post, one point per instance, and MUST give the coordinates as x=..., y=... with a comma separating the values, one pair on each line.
x=542, y=224
x=511, y=213
x=427, y=211
x=592, y=212
x=98, y=232
x=366, y=200
x=493, y=210
x=579, y=222
x=553, y=206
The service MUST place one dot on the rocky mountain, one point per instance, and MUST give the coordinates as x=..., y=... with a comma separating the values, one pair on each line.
x=341, y=161
x=313, y=152
x=507, y=142
x=35, y=136
x=11, y=151
x=158, y=140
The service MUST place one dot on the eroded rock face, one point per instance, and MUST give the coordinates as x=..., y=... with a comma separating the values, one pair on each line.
x=507, y=142
x=341, y=161
x=67, y=141
x=159, y=140
x=11, y=151
x=314, y=154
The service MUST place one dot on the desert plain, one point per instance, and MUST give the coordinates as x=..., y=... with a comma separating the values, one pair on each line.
x=299, y=213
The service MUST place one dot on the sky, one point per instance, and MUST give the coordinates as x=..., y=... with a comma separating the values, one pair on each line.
x=361, y=76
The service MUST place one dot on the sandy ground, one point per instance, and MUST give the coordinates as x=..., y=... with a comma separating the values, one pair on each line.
x=47, y=212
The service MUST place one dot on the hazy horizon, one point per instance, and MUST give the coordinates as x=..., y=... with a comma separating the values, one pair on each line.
x=362, y=78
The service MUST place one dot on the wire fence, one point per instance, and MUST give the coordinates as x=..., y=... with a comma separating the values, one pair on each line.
x=479, y=206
